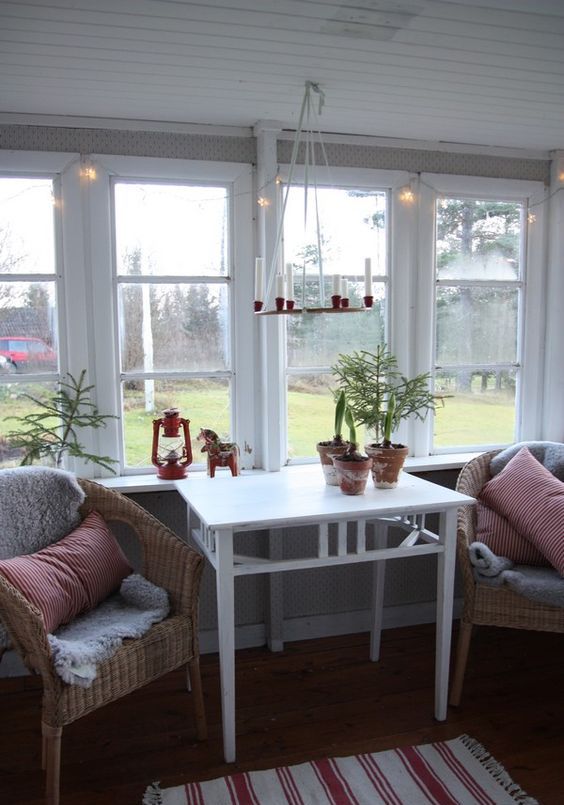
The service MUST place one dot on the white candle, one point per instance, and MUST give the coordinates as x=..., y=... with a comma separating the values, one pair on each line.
x=280, y=286
x=336, y=284
x=259, y=279
x=344, y=289
x=289, y=281
x=368, y=276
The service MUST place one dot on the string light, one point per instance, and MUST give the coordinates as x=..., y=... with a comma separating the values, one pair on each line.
x=531, y=218
x=406, y=195
x=88, y=172
x=278, y=179
x=263, y=202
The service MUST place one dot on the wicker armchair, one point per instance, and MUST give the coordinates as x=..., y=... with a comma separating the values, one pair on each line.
x=167, y=562
x=489, y=606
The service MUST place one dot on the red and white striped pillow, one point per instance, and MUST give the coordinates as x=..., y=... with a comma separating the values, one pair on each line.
x=532, y=500
x=498, y=534
x=72, y=575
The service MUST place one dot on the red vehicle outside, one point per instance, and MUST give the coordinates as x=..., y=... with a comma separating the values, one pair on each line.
x=27, y=354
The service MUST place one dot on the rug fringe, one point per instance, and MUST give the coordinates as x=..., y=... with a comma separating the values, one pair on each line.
x=496, y=770
x=153, y=795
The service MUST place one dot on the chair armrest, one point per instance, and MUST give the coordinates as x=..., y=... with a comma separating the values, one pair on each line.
x=26, y=629
x=168, y=562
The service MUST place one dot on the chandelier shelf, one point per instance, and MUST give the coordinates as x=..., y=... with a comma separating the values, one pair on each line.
x=309, y=136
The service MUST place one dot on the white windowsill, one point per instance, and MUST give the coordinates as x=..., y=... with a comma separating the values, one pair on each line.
x=131, y=484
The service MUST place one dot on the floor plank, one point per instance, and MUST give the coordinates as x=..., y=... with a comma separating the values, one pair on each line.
x=317, y=698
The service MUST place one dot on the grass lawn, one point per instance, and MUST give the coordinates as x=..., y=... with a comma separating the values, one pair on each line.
x=464, y=420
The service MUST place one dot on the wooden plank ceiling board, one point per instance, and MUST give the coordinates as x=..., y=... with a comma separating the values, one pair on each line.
x=465, y=71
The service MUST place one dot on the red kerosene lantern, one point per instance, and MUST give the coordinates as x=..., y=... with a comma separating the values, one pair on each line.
x=174, y=453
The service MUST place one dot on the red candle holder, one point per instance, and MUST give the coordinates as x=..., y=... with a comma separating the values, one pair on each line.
x=258, y=306
x=290, y=304
x=344, y=301
x=279, y=301
x=368, y=301
x=336, y=300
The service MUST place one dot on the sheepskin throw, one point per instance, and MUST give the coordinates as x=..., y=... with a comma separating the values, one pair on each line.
x=91, y=638
x=542, y=584
x=549, y=454
x=38, y=506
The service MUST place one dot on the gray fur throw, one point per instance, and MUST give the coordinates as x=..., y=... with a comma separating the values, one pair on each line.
x=542, y=584
x=38, y=506
x=549, y=454
x=91, y=638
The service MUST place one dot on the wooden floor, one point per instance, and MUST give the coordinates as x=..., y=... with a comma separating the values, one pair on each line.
x=317, y=698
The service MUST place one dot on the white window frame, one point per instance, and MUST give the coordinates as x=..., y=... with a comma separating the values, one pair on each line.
x=528, y=414
x=105, y=341
x=400, y=281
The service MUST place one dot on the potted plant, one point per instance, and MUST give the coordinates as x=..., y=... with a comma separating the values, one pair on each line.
x=380, y=397
x=335, y=446
x=352, y=467
x=51, y=430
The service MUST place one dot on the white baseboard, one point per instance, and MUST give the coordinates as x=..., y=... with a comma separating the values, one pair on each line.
x=309, y=627
x=303, y=628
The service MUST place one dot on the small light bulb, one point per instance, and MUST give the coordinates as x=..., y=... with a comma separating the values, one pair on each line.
x=407, y=195
x=531, y=217
x=278, y=179
x=88, y=173
x=263, y=202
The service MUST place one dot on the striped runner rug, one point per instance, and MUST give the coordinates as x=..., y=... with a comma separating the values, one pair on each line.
x=457, y=772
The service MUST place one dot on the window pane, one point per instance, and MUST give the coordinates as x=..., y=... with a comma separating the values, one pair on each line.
x=311, y=414
x=28, y=326
x=180, y=327
x=15, y=403
x=27, y=234
x=171, y=229
x=478, y=239
x=476, y=325
x=205, y=402
x=479, y=408
x=352, y=226
x=318, y=339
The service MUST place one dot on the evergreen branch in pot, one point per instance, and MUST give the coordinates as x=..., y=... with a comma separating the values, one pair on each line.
x=380, y=397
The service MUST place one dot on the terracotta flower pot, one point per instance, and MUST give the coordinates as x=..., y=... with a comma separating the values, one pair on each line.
x=352, y=475
x=326, y=450
x=387, y=463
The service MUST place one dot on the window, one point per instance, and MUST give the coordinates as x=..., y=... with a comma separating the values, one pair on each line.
x=485, y=352
x=479, y=264
x=140, y=271
x=353, y=227
x=179, y=232
x=173, y=267
x=29, y=289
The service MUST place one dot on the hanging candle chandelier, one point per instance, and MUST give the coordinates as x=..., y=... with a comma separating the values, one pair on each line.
x=308, y=135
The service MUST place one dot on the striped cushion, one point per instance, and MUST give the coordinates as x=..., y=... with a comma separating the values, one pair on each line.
x=72, y=575
x=532, y=499
x=498, y=534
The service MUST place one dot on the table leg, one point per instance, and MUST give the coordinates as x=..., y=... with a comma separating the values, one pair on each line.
x=445, y=591
x=378, y=579
x=275, y=603
x=226, y=633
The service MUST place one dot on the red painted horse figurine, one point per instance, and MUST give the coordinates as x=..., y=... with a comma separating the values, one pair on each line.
x=220, y=454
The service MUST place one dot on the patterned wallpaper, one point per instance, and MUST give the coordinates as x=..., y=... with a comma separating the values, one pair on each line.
x=419, y=161
x=243, y=149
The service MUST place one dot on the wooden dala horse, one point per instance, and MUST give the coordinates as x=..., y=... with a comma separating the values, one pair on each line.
x=220, y=454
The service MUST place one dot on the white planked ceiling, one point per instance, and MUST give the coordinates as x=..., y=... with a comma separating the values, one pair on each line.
x=487, y=72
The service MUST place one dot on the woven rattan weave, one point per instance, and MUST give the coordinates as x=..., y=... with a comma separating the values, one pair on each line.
x=167, y=562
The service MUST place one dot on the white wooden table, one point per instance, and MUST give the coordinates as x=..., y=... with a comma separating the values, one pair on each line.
x=298, y=496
